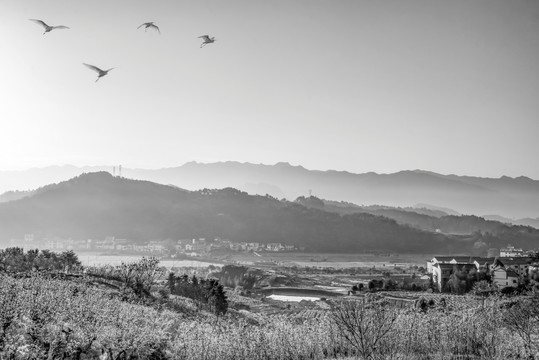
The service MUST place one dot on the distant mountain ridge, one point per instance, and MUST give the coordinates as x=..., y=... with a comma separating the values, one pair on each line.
x=425, y=219
x=96, y=205
x=513, y=198
x=15, y=195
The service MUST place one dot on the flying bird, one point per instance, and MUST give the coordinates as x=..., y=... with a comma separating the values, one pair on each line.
x=47, y=27
x=150, y=25
x=100, y=72
x=207, y=40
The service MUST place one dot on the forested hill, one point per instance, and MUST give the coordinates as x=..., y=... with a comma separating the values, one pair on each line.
x=496, y=233
x=96, y=205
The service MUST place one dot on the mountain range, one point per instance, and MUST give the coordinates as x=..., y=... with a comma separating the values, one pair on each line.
x=96, y=205
x=420, y=218
x=514, y=199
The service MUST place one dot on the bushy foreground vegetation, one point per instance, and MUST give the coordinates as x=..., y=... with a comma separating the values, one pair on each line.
x=42, y=318
x=50, y=317
x=209, y=293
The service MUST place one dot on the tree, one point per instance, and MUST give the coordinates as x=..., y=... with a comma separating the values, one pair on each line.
x=375, y=284
x=389, y=284
x=12, y=259
x=365, y=325
x=171, y=282
x=215, y=297
x=484, y=288
x=207, y=293
x=360, y=286
x=70, y=259
x=462, y=280
x=523, y=319
x=457, y=281
x=140, y=276
x=15, y=260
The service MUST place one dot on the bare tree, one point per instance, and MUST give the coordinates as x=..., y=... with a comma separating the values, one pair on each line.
x=365, y=325
x=141, y=275
x=523, y=319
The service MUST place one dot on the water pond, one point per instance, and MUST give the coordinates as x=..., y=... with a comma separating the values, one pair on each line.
x=293, y=298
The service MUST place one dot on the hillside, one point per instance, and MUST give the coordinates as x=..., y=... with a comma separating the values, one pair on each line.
x=419, y=218
x=481, y=230
x=14, y=195
x=96, y=205
x=508, y=197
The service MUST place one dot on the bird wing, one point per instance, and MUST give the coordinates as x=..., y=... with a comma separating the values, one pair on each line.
x=40, y=22
x=94, y=68
x=60, y=27
x=156, y=28
x=205, y=37
x=141, y=25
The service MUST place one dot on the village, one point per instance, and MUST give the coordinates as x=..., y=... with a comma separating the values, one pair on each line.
x=161, y=248
x=513, y=267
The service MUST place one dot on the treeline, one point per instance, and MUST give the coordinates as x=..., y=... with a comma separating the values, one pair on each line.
x=464, y=280
x=16, y=260
x=389, y=284
x=209, y=293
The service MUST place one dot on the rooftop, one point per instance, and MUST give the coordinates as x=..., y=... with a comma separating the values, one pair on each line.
x=458, y=266
x=511, y=273
x=458, y=259
x=515, y=260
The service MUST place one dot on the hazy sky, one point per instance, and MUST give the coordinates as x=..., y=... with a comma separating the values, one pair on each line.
x=450, y=86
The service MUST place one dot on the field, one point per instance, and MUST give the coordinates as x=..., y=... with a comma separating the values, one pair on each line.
x=275, y=260
x=329, y=260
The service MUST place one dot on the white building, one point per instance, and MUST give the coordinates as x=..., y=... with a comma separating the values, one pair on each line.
x=504, y=277
x=447, y=260
x=274, y=247
x=511, y=251
x=520, y=265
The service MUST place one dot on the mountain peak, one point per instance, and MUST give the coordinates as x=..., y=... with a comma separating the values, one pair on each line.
x=93, y=177
x=284, y=164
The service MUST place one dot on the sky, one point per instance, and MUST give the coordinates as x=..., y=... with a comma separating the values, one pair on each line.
x=355, y=85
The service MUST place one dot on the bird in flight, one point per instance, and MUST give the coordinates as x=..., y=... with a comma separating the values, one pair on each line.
x=100, y=73
x=207, y=40
x=150, y=25
x=47, y=27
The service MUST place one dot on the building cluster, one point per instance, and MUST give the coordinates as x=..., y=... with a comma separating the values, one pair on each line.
x=511, y=251
x=195, y=247
x=59, y=244
x=511, y=268
x=192, y=247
